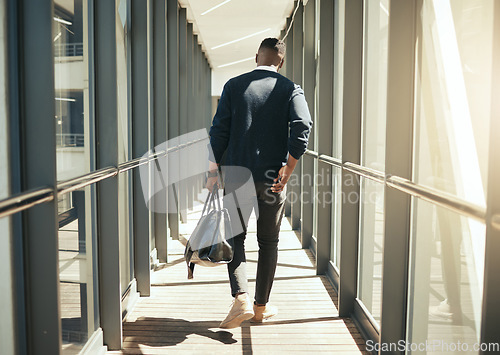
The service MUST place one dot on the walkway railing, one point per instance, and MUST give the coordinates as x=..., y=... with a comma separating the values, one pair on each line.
x=28, y=199
x=440, y=198
x=68, y=50
x=25, y=200
x=70, y=139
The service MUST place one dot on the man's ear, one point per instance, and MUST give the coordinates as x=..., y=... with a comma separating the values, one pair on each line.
x=256, y=57
x=281, y=63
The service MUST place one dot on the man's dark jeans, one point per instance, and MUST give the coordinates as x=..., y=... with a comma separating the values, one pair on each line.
x=271, y=209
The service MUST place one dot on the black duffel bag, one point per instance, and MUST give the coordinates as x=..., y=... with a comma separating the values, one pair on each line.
x=207, y=245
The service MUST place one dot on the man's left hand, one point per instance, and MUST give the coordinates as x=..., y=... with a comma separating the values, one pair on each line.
x=211, y=182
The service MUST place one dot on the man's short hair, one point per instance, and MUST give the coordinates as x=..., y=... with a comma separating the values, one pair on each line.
x=275, y=44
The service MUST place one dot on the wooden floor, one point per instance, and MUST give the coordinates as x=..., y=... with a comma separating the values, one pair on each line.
x=182, y=316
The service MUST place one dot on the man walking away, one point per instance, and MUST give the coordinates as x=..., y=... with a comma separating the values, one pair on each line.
x=262, y=123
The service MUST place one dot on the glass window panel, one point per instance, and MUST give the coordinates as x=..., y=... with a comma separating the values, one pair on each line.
x=371, y=246
x=72, y=120
x=371, y=225
x=446, y=279
x=71, y=88
x=454, y=97
x=76, y=271
x=122, y=80
x=7, y=292
x=125, y=227
x=376, y=24
x=338, y=74
x=336, y=215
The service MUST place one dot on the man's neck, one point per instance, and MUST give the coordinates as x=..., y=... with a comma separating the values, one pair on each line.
x=267, y=67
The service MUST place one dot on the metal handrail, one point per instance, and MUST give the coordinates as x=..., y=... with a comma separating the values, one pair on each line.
x=330, y=160
x=32, y=198
x=437, y=197
x=365, y=172
x=311, y=153
x=132, y=164
x=324, y=158
x=25, y=200
x=85, y=180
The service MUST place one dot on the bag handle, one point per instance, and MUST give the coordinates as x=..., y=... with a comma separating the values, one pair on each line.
x=207, y=203
x=210, y=201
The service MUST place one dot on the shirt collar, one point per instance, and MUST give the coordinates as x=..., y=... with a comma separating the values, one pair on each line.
x=266, y=67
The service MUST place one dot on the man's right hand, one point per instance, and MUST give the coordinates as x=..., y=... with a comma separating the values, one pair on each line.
x=284, y=174
x=283, y=177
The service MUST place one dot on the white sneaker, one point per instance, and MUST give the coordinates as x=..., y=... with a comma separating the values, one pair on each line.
x=240, y=311
x=263, y=312
x=442, y=311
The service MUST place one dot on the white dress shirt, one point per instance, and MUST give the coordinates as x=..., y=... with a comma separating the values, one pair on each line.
x=267, y=67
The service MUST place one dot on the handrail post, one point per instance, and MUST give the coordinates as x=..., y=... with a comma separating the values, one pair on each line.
x=38, y=165
x=398, y=161
x=308, y=162
x=324, y=130
x=106, y=115
x=491, y=293
x=351, y=144
x=142, y=139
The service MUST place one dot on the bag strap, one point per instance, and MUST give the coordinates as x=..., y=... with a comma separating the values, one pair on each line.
x=212, y=200
x=242, y=220
x=216, y=196
x=210, y=203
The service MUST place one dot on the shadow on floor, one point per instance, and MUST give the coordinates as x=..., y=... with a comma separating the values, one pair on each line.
x=166, y=332
x=286, y=265
x=160, y=332
x=219, y=282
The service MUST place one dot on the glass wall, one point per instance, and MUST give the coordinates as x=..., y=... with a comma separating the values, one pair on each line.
x=451, y=155
x=76, y=273
x=7, y=296
x=376, y=35
x=73, y=152
x=71, y=90
x=30, y=255
x=446, y=284
x=454, y=94
x=371, y=246
x=371, y=221
x=445, y=105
